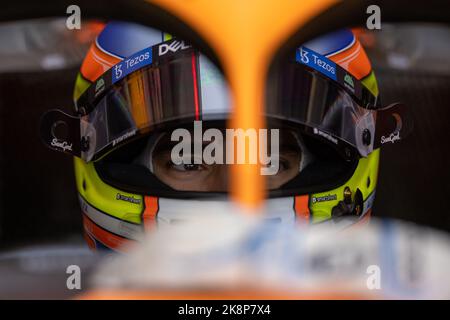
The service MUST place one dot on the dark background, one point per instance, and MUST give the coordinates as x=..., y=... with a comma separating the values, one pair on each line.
x=414, y=175
x=38, y=199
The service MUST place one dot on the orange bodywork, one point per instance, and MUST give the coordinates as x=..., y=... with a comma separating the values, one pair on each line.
x=224, y=295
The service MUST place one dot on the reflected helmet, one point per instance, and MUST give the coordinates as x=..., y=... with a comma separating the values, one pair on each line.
x=136, y=85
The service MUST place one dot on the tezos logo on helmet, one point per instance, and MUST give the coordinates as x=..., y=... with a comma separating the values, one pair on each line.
x=173, y=46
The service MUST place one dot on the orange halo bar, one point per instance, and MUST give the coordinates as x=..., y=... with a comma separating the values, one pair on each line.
x=245, y=35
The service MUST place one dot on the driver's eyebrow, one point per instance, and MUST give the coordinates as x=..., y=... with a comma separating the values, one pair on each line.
x=285, y=149
x=165, y=144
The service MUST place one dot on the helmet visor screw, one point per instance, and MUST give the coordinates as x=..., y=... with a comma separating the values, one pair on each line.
x=84, y=144
x=366, y=137
x=347, y=195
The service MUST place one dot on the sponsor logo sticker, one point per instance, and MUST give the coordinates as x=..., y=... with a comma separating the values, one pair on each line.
x=392, y=138
x=325, y=135
x=328, y=197
x=131, y=64
x=348, y=79
x=172, y=47
x=99, y=86
x=123, y=137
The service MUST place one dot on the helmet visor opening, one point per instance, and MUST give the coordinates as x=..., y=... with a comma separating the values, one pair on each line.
x=147, y=165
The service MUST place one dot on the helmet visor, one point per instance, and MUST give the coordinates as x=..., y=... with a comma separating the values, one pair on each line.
x=157, y=87
x=302, y=95
x=181, y=88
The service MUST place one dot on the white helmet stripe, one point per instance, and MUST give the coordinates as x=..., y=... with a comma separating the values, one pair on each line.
x=115, y=225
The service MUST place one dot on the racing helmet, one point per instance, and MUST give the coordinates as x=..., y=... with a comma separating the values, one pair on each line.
x=137, y=85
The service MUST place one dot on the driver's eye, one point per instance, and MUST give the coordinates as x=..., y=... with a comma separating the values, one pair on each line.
x=186, y=167
x=282, y=165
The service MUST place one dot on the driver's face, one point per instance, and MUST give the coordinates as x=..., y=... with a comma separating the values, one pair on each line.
x=214, y=178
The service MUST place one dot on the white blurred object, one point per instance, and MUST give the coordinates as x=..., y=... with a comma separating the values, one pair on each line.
x=39, y=271
x=238, y=252
x=421, y=47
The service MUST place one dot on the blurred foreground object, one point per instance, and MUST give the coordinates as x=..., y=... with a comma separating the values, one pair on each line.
x=40, y=271
x=253, y=259
x=417, y=47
